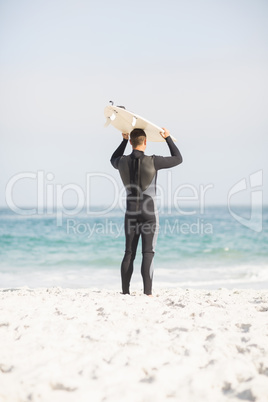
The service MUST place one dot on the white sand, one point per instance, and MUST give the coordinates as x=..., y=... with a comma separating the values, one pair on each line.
x=89, y=345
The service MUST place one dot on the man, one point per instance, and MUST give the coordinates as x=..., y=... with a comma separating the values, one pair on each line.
x=138, y=173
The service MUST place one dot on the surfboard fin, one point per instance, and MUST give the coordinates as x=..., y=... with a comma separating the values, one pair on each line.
x=134, y=121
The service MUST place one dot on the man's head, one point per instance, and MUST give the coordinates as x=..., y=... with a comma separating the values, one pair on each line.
x=138, y=139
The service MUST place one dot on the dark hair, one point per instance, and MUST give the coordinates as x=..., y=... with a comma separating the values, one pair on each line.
x=137, y=137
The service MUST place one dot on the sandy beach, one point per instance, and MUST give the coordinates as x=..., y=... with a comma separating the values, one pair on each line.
x=99, y=345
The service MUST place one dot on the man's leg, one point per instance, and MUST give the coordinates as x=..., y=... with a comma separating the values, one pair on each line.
x=132, y=233
x=149, y=231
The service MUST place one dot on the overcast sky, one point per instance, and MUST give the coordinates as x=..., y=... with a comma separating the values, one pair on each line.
x=198, y=68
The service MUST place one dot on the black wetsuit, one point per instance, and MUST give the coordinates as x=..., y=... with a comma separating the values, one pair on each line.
x=138, y=173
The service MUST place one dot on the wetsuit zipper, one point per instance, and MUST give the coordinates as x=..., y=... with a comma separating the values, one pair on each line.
x=139, y=186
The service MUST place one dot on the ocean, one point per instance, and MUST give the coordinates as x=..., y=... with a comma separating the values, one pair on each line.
x=209, y=250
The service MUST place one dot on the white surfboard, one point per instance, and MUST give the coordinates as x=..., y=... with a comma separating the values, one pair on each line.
x=126, y=121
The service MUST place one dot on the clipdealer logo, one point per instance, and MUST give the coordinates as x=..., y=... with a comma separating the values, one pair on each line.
x=50, y=196
x=256, y=200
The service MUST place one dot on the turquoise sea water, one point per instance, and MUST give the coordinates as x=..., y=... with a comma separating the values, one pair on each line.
x=208, y=250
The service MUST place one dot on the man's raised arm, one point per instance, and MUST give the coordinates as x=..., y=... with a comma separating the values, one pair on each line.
x=119, y=151
x=165, y=162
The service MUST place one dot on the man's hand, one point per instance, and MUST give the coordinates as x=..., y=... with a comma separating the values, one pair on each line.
x=125, y=136
x=165, y=134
